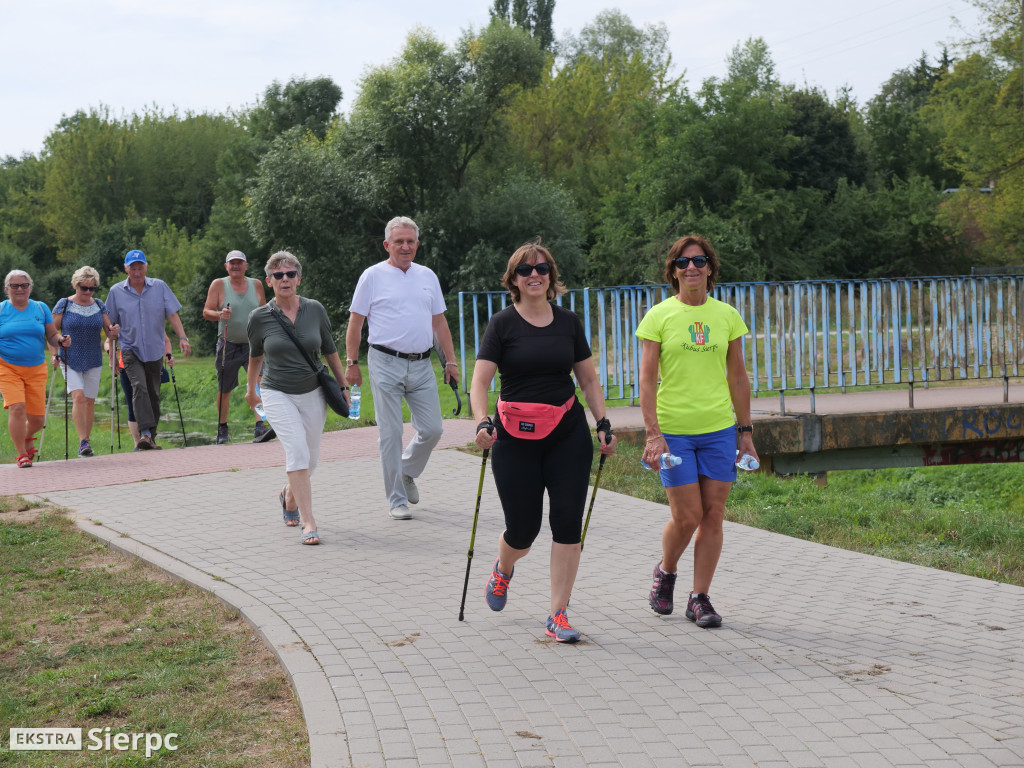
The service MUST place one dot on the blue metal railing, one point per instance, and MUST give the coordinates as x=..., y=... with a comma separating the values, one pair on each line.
x=810, y=335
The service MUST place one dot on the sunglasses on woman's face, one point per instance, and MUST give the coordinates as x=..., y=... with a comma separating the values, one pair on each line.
x=683, y=262
x=21, y=286
x=290, y=274
x=525, y=270
x=88, y=288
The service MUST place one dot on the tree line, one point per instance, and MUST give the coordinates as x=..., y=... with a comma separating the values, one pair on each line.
x=591, y=142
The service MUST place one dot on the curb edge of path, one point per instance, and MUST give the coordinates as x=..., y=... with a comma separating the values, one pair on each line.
x=319, y=705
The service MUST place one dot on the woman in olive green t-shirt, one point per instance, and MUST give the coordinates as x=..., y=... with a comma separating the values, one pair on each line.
x=290, y=391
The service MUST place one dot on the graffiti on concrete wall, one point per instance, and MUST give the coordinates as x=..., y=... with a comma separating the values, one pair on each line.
x=973, y=452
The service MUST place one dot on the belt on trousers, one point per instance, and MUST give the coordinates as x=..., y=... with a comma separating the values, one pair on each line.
x=403, y=355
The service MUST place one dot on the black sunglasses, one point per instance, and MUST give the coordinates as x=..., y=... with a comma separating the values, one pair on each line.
x=525, y=270
x=290, y=274
x=682, y=262
x=89, y=288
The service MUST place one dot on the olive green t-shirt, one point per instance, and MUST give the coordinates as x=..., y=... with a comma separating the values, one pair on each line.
x=286, y=369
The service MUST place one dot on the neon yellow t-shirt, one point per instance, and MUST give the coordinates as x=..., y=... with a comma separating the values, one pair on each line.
x=693, y=395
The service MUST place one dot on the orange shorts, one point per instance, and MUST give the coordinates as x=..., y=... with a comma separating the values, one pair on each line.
x=24, y=384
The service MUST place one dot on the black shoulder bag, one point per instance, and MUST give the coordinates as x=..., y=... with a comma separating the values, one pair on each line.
x=332, y=390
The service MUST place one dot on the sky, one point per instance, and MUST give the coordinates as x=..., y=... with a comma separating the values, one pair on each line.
x=60, y=56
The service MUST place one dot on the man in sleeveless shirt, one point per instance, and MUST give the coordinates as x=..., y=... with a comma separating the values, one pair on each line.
x=228, y=303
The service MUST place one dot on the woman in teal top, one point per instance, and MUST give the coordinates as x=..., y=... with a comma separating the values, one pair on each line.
x=26, y=327
x=692, y=343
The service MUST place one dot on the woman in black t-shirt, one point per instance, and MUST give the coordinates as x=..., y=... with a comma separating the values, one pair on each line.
x=539, y=439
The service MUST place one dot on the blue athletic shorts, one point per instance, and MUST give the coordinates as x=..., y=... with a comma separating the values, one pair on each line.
x=712, y=454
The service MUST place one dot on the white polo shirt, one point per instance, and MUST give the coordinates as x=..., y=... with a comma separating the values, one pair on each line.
x=399, y=306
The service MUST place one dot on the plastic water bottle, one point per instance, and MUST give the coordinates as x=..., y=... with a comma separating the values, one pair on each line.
x=747, y=462
x=356, y=398
x=665, y=461
x=259, y=408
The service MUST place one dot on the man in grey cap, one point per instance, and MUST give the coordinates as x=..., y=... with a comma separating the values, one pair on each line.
x=228, y=303
x=140, y=305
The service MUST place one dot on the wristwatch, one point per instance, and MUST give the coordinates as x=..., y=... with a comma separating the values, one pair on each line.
x=748, y=428
x=350, y=362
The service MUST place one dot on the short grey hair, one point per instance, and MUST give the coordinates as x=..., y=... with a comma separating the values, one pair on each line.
x=82, y=274
x=16, y=273
x=280, y=258
x=400, y=221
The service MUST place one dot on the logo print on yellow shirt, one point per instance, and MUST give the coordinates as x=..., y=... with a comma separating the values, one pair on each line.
x=699, y=333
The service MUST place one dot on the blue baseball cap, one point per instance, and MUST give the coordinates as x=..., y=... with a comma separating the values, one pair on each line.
x=132, y=256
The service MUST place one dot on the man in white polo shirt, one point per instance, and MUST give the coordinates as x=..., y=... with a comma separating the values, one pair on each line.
x=404, y=306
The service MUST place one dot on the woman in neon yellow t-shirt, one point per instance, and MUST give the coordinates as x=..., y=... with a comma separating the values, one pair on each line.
x=693, y=341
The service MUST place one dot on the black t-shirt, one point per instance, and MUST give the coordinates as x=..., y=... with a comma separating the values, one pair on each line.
x=535, y=363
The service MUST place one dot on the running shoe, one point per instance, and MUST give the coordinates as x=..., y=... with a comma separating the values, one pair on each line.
x=496, y=593
x=401, y=512
x=699, y=610
x=559, y=628
x=222, y=434
x=84, y=449
x=261, y=433
x=661, y=592
x=411, y=491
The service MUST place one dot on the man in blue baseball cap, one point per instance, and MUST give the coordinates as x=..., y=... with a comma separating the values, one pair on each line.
x=141, y=304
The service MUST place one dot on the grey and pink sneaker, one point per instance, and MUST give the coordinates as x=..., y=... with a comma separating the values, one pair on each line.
x=700, y=610
x=661, y=592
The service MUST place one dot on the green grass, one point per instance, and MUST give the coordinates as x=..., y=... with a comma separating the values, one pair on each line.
x=91, y=639
x=196, y=383
x=965, y=519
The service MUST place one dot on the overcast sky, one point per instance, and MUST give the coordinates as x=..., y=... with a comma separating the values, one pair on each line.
x=59, y=56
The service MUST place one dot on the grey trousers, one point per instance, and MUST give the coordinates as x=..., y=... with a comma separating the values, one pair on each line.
x=393, y=378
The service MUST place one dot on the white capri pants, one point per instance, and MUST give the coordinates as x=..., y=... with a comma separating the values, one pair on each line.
x=298, y=421
x=87, y=381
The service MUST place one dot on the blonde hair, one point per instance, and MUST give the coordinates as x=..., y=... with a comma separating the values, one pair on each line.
x=82, y=274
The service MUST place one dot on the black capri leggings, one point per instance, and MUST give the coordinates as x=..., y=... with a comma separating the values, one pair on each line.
x=524, y=469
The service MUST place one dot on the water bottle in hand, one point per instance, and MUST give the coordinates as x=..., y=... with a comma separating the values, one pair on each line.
x=665, y=461
x=747, y=462
x=355, y=397
x=259, y=407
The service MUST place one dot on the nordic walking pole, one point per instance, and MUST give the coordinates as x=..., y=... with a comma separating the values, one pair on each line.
x=597, y=482
x=174, y=381
x=451, y=382
x=46, y=414
x=65, y=405
x=472, y=538
x=220, y=375
x=113, y=394
x=117, y=397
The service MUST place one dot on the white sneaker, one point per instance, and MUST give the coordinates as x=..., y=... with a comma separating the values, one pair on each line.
x=401, y=512
x=411, y=491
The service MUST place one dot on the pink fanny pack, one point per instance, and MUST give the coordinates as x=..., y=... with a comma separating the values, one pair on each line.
x=532, y=421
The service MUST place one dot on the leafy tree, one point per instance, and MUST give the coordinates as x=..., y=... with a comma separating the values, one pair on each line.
x=308, y=105
x=825, y=149
x=904, y=142
x=533, y=16
x=87, y=183
x=580, y=126
x=978, y=108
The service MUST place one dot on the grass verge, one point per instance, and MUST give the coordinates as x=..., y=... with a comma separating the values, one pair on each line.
x=93, y=639
x=965, y=519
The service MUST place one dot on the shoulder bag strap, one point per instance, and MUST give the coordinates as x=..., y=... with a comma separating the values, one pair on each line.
x=291, y=334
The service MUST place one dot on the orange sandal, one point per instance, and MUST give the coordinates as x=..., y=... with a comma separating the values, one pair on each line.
x=24, y=460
